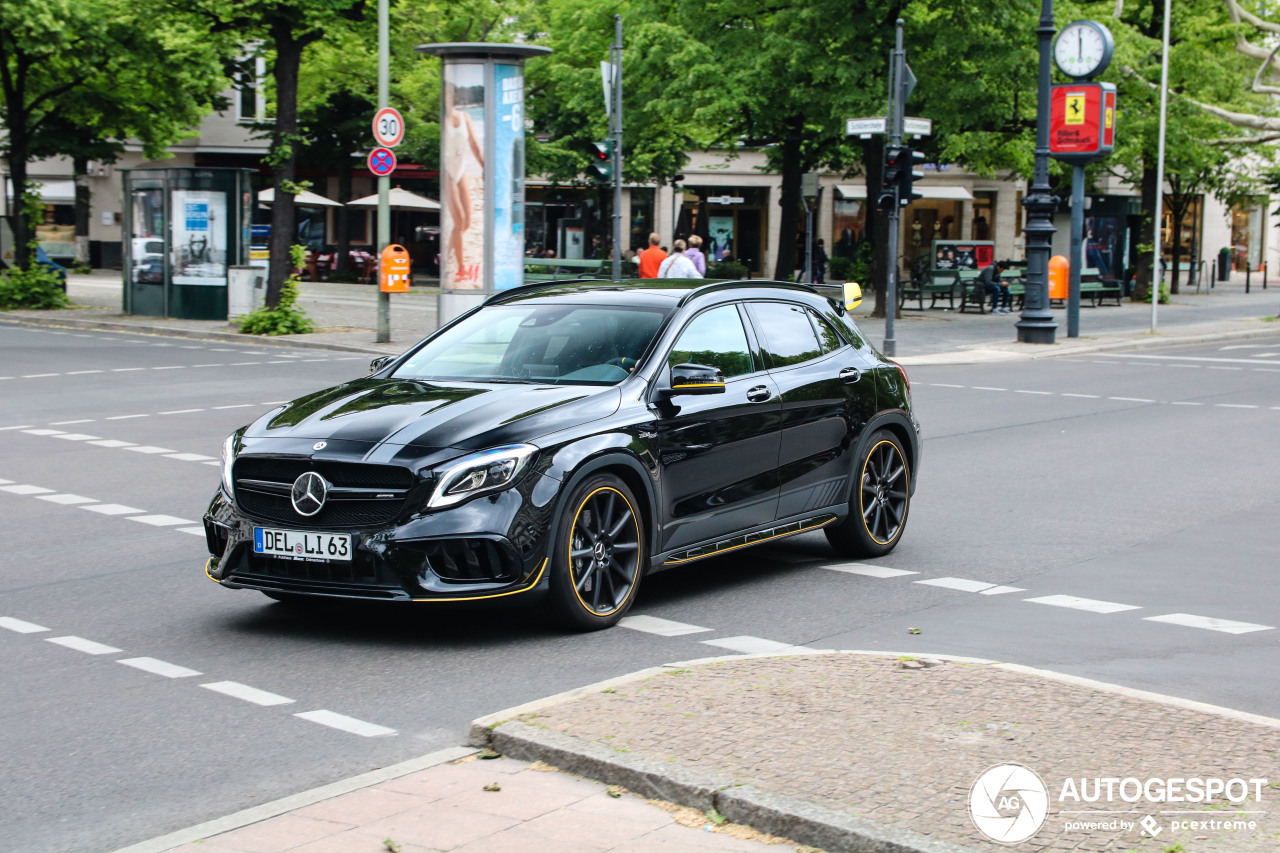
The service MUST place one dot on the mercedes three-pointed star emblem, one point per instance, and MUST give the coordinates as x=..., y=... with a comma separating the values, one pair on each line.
x=309, y=493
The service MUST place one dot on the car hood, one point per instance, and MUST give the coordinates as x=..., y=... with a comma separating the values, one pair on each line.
x=465, y=415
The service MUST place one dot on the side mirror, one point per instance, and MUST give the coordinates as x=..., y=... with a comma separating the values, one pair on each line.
x=380, y=362
x=852, y=295
x=692, y=379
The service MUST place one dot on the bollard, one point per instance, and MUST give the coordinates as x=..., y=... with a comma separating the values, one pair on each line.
x=1248, y=272
x=1264, y=275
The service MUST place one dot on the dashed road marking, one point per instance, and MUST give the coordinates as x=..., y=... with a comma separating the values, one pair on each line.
x=988, y=388
x=69, y=423
x=194, y=531
x=181, y=411
x=1132, y=399
x=126, y=369
x=871, y=571
x=150, y=448
x=236, y=406
x=1076, y=603
x=748, y=645
x=125, y=417
x=78, y=436
x=661, y=627
x=23, y=489
x=80, y=644
x=161, y=520
x=160, y=667
x=44, y=431
x=114, y=509
x=246, y=693
x=67, y=499
x=962, y=584
x=1002, y=590
x=113, y=442
x=345, y=723
x=20, y=626
x=38, y=375
x=1208, y=623
x=19, y=426
x=1234, y=406
x=189, y=457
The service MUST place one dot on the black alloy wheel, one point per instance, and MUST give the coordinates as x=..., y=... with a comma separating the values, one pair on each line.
x=599, y=555
x=879, y=503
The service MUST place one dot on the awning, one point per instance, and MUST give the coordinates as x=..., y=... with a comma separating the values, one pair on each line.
x=399, y=199
x=859, y=191
x=51, y=191
x=302, y=199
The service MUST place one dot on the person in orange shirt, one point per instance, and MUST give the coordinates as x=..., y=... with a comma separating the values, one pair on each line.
x=652, y=257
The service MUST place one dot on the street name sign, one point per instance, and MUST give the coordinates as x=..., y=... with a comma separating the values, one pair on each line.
x=864, y=127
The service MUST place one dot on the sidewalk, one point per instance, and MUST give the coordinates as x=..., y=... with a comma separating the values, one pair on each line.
x=346, y=315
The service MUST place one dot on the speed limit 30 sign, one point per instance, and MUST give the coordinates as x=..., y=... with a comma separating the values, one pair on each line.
x=388, y=127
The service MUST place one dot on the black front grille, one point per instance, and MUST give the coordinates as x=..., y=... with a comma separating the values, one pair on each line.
x=339, y=511
x=470, y=560
x=356, y=572
x=354, y=474
x=334, y=514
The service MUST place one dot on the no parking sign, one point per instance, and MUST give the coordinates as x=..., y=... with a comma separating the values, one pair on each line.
x=382, y=161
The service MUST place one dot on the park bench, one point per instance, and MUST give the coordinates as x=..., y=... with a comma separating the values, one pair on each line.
x=971, y=293
x=1095, y=288
x=558, y=269
x=935, y=285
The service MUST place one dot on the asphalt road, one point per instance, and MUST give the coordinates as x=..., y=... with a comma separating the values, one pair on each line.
x=1134, y=494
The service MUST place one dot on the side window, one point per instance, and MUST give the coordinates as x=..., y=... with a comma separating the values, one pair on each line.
x=788, y=334
x=831, y=340
x=715, y=338
x=845, y=323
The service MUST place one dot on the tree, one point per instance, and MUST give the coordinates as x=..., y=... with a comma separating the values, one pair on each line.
x=79, y=76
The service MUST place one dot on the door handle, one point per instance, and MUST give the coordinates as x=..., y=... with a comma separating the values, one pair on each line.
x=759, y=394
x=850, y=375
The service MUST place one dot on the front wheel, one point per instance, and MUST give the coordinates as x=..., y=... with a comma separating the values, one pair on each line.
x=879, y=502
x=599, y=555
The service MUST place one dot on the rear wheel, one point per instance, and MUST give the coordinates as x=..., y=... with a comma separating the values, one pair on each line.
x=599, y=554
x=879, y=503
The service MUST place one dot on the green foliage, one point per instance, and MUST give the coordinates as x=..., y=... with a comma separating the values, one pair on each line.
x=841, y=269
x=35, y=287
x=286, y=318
x=727, y=270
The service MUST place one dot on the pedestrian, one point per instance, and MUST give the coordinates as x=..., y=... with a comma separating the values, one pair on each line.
x=677, y=264
x=652, y=257
x=694, y=253
x=988, y=281
x=819, y=263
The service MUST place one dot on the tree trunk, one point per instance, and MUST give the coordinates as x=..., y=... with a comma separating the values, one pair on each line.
x=1147, y=236
x=877, y=224
x=343, y=216
x=1177, y=209
x=80, y=166
x=22, y=229
x=283, y=158
x=789, y=200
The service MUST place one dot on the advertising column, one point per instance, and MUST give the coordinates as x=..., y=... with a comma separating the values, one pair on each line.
x=481, y=171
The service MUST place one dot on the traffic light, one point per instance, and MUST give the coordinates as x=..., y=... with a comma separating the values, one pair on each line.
x=602, y=160
x=908, y=175
x=891, y=178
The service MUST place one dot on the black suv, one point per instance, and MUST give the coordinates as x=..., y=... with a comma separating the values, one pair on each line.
x=568, y=438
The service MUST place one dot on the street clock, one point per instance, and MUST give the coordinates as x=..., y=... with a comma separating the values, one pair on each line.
x=1083, y=49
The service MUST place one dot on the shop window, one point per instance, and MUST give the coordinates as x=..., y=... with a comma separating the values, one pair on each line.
x=984, y=216
x=641, y=217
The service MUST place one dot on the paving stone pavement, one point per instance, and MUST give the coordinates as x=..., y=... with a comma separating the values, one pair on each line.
x=902, y=747
x=535, y=809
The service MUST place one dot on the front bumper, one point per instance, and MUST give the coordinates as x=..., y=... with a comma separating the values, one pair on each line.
x=490, y=547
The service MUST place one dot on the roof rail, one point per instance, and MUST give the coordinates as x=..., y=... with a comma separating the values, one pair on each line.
x=724, y=285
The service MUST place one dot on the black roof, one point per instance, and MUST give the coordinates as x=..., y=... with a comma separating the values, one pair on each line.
x=639, y=290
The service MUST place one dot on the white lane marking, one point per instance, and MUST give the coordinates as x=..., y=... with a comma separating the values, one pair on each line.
x=113, y=442
x=126, y=369
x=3, y=482
x=1188, y=366
x=194, y=531
x=237, y=690
x=160, y=667
x=77, y=436
x=67, y=499
x=1076, y=603
x=944, y=385
x=39, y=375
x=1180, y=358
x=1001, y=590
x=44, y=431
x=206, y=365
x=188, y=457
x=1216, y=367
x=114, y=509
x=80, y=644
x=171, y=367
x=275, y=402
x=1233, y=406
x=182, y=411
x=1132, y=399
x=20, y=626
x=160, y=520
x=279, y=362
x=988, y=388
x=748, y=645
x=236, y=406
x=1085, y=396
x=125, y=417
x=1047, y=393
x=962, y=584
x=346, y=724
x=871, y=571
x=1226, y=626
x=213, y=462
x=242, y=363
x=1184, y=403
x=215, y=349
x=22, y=489
x=150, y=448
x=19, y=426
x=69, y=423
x=190, y=347
x=661, y=627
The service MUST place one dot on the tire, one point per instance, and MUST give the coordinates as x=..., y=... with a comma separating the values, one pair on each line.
x=878, y=502
x=599, y=555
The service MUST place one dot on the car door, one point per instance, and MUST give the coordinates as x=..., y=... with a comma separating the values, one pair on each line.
x=717, y=453
x=826, y=402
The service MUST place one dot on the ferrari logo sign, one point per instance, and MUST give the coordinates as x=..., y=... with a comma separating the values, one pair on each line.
x=1082, y=122
x=1074, y=108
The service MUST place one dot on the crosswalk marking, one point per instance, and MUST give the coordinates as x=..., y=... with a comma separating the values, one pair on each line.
x=870, y=571
x=1208, y=623
x=661, y=627
x=1077, y=603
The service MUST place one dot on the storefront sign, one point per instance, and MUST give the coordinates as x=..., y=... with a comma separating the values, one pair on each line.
x=1082, y=122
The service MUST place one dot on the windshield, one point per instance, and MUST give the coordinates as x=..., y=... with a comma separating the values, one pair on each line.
x=558, y=344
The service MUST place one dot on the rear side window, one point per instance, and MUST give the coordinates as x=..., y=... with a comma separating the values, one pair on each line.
x=715, y=338
x=831, y=340
x=788, y=335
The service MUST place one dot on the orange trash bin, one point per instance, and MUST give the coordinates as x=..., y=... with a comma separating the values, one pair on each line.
x=394, y=270
x=1059, y=277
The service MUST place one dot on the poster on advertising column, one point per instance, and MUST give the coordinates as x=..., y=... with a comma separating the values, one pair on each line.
x=199, y=228
x=462, y=177
x=507, y=174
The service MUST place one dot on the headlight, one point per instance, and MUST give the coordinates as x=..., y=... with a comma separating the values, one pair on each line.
x=228, y=458
x=481, y=473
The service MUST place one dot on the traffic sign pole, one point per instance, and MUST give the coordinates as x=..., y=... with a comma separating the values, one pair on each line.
x=384, y=181
x=617, y=147
x=897, y=98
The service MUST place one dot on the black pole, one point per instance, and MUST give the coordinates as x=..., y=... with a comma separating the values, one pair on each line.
x=1248, y=272
x=1036, y=324
x=615, y=132
x=897, y=59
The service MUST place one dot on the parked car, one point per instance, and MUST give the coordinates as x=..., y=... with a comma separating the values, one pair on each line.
x=564, y=440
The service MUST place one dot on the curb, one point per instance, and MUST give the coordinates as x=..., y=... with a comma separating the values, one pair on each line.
x=195, y=334
x=276, y=808
x=777, y=814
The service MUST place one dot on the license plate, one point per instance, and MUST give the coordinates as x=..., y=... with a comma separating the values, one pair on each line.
x=302, y=544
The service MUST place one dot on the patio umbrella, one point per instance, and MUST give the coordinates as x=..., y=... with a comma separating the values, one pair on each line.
x=302, y=199
x=400, y=200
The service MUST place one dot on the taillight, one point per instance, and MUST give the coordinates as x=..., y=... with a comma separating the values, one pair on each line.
x=905, y=380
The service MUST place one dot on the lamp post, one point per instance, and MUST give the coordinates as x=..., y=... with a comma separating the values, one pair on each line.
x=1036, y=324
